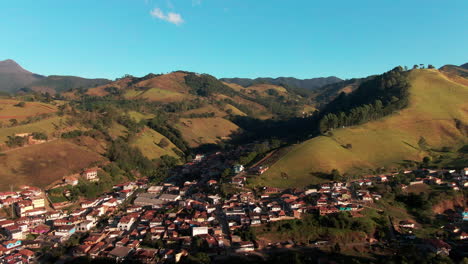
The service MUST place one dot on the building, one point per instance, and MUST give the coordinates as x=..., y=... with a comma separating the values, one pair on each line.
x=91, y=175
x=38, y=201
x=238, y=168
x=22, y=207
x=71, y=180
x=201, y=230
x=126, y=223
x=169, y=197
x=65, y=231
x=120, y=253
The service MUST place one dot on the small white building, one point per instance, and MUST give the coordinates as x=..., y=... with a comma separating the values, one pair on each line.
x=200, y=230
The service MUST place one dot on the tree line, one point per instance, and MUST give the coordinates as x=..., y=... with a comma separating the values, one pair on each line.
x=374, y=99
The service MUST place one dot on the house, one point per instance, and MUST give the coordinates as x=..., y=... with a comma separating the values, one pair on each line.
x=244, y=246
x=238, y=180
x=439, y=247
x=85, y=226
x=37, y=201
x=90, y=175
x=145, y=255
x=212, y=182
x=10, y=244
x=201, y=230
x=198, y=158
x=367, y=198
x=14, y=232
x=169, y=197
x=465, y=215
x=406, y=224
x=71, y=180
x=40, y=229
x=120, y=253
x=259, y=170
x=238, y=168
x=126, y=223
x=155, y=189
x=23, y=206
x=463, y=236
x=65, y=231
x=382, y=178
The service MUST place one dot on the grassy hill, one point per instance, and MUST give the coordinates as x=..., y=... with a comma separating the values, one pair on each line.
x=436, y=102
x=198, y=131
x=148, y=142
x=9, y=109
x=39, y=165
x=47, y=126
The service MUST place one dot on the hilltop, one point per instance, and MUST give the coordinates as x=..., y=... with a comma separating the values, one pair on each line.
x=437, y=113
x=14, y=78
x=308, y=84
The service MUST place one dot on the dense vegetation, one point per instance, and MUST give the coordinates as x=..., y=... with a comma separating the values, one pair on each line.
x=374, y=99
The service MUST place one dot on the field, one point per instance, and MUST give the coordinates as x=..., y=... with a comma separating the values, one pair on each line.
x=46, y=126
x=148, y=142
x=139, y=116
x=198, y=131
x=8, y=110
x=435, y=101
x=39, y=165
x=156, y=95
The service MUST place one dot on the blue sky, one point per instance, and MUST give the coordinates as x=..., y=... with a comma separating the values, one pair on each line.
x=232, y=38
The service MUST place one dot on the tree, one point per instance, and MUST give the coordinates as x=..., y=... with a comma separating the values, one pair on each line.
x=415, y=66
x=163, y=143
x=426, y=160
x=430, y=66
x=13, y=122
x=20, y=104
x=422, y=143
x=337, y=248
x=335, y=175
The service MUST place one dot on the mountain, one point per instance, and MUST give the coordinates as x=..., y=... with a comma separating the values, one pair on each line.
x=309, y=84
x=435, y=119
x=14, y=77
x=57, y=83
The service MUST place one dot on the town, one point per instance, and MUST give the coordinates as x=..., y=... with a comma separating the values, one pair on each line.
x=166, y=222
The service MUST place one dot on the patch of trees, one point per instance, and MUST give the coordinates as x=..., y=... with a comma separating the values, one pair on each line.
x=205, y=85
x=201, y=115
x=160, y=125
x=374, y=99
x=241, y=107
x=182, y=106
x=15, y=141
x=114, y=91
x=39, y=136
x=73, y=134
x=20, y=104
x=130, y=158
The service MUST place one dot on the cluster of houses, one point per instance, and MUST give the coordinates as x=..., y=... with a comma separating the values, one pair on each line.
x=166, y=222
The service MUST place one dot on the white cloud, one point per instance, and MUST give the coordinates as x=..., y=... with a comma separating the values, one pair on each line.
x=170, y=17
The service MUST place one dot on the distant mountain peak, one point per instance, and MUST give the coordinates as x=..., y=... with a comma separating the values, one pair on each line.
x=464, y=66
x=11, y=66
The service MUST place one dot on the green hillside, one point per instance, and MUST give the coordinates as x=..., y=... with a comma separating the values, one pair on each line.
x=438, y=111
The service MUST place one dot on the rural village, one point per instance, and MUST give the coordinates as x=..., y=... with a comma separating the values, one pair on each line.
x=166, y=222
